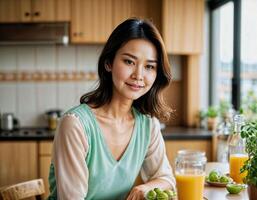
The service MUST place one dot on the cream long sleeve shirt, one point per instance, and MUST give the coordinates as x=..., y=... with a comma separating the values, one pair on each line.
x=70, y=151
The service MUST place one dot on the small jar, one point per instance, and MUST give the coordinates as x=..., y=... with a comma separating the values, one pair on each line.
x=190, y=174
x=52, y=121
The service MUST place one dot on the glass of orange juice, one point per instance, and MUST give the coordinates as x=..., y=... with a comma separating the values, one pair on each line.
x=236, y=161
x=190, y=174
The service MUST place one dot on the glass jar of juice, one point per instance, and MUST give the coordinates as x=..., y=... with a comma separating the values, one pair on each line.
x=237, y=153
x=190, y=174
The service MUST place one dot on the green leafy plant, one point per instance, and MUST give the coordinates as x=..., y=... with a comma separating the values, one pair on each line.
x=249, y=133
x=249, y=105
x=212, y=112
x=224, y=107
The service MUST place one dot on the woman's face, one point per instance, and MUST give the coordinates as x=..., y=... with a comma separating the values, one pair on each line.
x=134, y=69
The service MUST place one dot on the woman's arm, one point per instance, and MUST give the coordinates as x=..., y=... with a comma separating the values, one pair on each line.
x=156, y=171
x=69, y=153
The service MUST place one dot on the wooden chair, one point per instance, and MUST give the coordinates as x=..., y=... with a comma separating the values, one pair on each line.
x=24, y=190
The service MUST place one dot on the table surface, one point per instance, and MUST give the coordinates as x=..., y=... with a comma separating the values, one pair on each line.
x=217, y=193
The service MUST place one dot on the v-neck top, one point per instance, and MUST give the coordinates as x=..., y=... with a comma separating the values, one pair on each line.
x=103, y=141
x=107, y=177
x=83, y=168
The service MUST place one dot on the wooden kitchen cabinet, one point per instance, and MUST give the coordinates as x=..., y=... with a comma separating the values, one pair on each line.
x=91, y=21
x=172, y=146
x=45, y=151
x=183, y=26
x=145, y=9
x=34, y=11
x=10, y=11
x=18, y=161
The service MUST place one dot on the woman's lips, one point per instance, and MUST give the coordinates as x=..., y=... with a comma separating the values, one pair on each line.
x=134, y=86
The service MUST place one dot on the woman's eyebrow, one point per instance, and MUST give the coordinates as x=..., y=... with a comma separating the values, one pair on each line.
x=134, y=57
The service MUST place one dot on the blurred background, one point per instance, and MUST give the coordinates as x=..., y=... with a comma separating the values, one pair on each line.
x=49, y=51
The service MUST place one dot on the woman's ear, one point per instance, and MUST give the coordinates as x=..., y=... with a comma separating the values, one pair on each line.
x=107, y=66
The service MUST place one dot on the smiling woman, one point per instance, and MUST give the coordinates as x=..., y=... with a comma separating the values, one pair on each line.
x=113, y=135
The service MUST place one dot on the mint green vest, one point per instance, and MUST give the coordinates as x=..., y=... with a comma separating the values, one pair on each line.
x=109, y=179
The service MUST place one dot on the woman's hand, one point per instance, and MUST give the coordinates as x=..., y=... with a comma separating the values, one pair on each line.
x=138, y=192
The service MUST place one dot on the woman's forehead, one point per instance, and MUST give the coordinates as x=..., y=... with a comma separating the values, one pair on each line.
x=139, y=48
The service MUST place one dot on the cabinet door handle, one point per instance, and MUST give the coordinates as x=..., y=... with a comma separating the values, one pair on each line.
x=27, y=14
x=81, y=34
x=75, y=34
x=37, y=14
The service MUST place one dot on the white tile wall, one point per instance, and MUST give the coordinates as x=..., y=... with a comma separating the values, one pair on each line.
x=27, y=104
x=87, y=57
x=66, y=58
x=29, y=100
x=84, y=87
x=66, y=95
x=8, y=58
x=45, y=58
x=8, y=96
x=46, y=96
x=26, y=57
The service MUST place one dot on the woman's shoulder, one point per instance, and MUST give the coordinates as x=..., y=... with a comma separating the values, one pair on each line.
x=76, y=109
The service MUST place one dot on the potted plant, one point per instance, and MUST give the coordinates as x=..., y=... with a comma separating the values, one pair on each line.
x=249, y=133
x=200, y=119
x=212, y=114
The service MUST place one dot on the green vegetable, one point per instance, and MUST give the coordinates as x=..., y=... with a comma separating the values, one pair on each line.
x=158, y=194
x=162, y=196
x=234, y=188
x=170, y=193
x=224, y=179
x=151, y=195
x=157, y=190
x=214, y=176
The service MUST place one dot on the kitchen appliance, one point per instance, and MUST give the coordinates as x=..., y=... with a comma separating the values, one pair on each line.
x=53, y=117
x=34, y=33
x=9, y=122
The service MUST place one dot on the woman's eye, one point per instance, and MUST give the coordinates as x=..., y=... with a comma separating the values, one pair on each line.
x=149, y=67
x=129, y=62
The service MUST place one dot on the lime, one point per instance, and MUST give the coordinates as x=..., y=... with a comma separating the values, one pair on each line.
x=170, y=193
x=151, y=195
x=214, y=176
x=224, y=179
x=162, y=196
x=157, y=190
x=234, y=188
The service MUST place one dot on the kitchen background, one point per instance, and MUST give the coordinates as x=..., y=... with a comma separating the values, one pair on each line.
x=29, y=99
x=35, y=78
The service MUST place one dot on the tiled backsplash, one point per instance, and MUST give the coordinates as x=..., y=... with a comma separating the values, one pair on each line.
x=29, y=100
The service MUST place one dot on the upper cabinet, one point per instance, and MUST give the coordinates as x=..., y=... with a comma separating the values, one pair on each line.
x=10, y=11
x=145, y=9
x=34, y=11
x=183, y=26
x=92, y=21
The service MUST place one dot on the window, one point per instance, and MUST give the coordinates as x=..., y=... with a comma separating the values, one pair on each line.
x=222, y=53
x=248, y=48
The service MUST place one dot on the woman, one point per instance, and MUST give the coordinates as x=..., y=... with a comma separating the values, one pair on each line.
x=113, y=135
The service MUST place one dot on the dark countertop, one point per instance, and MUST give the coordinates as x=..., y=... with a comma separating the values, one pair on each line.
x=169, y=133
x=27, y=134
x=185, y=133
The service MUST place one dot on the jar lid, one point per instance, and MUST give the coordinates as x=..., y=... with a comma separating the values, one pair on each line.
x=191, y=155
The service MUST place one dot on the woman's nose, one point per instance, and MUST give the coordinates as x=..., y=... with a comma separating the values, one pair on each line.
x=138, y=73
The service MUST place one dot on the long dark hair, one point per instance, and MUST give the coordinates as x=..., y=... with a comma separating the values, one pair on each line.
x=152, y=102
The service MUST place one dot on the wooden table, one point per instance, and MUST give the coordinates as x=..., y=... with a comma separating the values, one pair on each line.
x=216, y=193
